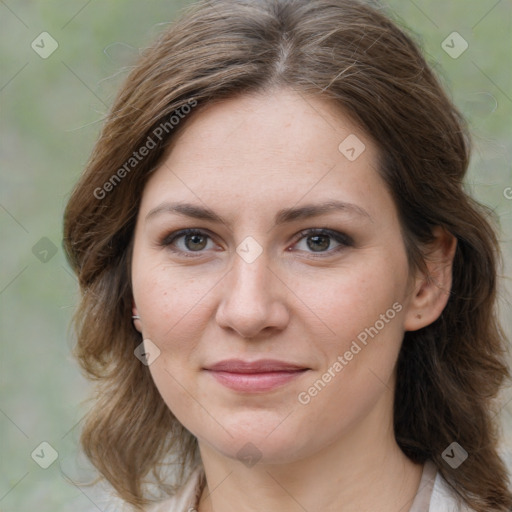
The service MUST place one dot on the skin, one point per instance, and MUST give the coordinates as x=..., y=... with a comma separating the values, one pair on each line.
x=246, y=158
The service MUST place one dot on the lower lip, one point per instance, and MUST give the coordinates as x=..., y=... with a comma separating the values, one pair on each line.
x=255, y=382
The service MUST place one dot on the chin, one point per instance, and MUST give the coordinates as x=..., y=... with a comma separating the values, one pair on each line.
x=264, y=440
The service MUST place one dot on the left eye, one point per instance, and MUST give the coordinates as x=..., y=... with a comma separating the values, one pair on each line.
x=320, y=240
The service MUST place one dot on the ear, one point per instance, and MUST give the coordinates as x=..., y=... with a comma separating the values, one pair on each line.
x=136, y=321
x=431, y=289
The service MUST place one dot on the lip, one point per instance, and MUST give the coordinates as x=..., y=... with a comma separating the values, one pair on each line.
x=255, y=376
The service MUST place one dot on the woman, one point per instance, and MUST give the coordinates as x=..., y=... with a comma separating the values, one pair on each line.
x=289, y=299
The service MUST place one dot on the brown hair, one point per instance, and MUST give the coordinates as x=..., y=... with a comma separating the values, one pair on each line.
x=353, y=56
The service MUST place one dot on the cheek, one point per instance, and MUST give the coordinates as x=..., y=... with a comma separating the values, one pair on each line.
x=170, y=302
x=178, y=391
x=349, y=302
x=363, y=309
x=366, y=316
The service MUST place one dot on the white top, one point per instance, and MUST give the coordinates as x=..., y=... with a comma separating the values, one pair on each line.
x=434, y=494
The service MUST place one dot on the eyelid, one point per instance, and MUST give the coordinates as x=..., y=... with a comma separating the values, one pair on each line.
x=343, y=240
x=170, y=237
x=168, y=240
x=338, y=236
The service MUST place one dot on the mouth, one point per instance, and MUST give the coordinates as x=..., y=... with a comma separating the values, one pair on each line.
x=256, y=376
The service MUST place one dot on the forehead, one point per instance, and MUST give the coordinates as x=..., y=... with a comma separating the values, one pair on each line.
x=276, y=150
x=284, y=123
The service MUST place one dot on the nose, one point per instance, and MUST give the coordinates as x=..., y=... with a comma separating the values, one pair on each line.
x=253, y=299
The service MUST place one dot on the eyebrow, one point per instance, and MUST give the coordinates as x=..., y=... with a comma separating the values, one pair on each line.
x=283, y=216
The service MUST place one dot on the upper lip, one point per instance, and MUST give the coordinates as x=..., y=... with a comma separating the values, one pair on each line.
x=260, y=366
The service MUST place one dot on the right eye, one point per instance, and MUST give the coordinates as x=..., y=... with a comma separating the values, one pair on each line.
x=187, y=241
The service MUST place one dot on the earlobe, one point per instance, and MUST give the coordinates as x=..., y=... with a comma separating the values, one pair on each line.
x=136, y=318
x=431, y=290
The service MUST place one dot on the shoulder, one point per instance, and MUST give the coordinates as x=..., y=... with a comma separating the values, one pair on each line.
x=186, y=499
x=444, y=498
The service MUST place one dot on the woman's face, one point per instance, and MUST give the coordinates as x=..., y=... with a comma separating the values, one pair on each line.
x=280, y=317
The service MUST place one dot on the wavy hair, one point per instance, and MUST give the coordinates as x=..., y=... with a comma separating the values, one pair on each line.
x=353, y=56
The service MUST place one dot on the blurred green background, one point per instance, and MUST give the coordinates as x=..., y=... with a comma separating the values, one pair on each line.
x=50, y=115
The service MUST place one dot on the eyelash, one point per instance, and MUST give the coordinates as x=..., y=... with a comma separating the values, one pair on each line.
x=344, y=240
